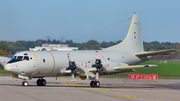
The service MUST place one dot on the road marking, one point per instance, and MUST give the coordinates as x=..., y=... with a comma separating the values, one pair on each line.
x=104, y=88
x=67, y=83
x=126, y=96
x=63, y=80
x=140, y=96
x=82, y=87
x=102, y=91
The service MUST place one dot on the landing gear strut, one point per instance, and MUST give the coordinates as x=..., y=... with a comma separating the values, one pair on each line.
x=41, y=82
x=95, y=84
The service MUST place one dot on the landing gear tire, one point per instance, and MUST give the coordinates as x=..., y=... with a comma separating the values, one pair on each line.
x=95, y=84
x=25, y=83
x=38, y=82
x=41, y=82
x=92, y=84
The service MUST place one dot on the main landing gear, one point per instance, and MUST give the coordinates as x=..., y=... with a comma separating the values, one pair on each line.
x=41, y=82
x=95, y=84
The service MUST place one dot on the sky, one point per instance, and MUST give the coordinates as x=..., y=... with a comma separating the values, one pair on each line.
x=83, y=20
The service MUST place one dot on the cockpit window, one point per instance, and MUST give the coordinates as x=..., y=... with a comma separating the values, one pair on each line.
x=26, y=58
x=18, y=58
x=14, y=57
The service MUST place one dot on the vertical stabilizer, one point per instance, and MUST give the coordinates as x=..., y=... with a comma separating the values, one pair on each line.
x=133, y=41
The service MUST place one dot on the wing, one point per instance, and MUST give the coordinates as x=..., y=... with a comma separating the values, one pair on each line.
x=134, y=67
x=161, y=52
x=126, y=67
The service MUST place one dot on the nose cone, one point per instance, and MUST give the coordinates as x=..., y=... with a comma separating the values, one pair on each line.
x=10, y=68
x=6, y=68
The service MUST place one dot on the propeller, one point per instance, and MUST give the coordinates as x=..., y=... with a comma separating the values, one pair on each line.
x=72, y=67
x=98, y=66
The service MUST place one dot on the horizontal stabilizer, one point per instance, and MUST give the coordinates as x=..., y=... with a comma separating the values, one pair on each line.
x=3, y=61
x=134, y=67
x=161, y=52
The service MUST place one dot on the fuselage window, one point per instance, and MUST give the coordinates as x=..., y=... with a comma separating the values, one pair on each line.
x=26, y=58
x=44, y=60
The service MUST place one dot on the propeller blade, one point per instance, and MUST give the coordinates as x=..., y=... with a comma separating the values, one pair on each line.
x=69, y=59
x=96, y=55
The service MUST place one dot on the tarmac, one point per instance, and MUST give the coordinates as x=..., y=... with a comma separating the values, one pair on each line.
x=111, y=89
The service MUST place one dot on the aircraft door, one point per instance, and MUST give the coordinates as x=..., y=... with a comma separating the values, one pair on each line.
x=35, y=68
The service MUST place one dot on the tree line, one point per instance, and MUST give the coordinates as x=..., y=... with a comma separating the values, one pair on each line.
x=8, y=48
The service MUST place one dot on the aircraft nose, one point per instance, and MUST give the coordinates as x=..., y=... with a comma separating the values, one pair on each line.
x=10, y=68
x=6, y=68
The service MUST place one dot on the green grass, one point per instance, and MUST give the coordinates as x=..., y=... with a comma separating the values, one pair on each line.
x=168, y=68
x=5, y=74
x=126, y=76
x=2, y=71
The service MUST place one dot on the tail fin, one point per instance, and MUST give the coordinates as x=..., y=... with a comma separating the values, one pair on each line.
x=133, y=41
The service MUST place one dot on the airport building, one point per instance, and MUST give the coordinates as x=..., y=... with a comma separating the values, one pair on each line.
x=57, y=47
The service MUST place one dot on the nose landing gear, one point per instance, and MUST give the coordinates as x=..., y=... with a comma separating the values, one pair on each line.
x=25, y=83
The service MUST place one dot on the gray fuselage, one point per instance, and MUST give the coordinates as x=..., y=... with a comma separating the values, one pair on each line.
x=48, y=63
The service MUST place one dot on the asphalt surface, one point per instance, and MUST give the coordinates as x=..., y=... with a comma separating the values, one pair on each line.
x=115, y=89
